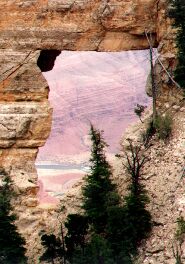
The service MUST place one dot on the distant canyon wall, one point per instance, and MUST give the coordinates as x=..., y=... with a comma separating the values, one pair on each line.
x=28, y=27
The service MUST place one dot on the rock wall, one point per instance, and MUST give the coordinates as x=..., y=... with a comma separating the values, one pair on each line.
x=76, y=24
x=29, y=26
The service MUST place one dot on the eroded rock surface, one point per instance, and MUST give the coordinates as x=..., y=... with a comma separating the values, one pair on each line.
x=76, y=24
x=164, y=181
x=26, y=27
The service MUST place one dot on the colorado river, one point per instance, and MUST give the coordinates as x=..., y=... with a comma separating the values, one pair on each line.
x=55, y=180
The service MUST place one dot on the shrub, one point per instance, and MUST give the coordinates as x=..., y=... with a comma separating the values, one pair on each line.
x=177, y=256
x=139, y=110
x=163, y=126
x=148, y=133
x=180, y=233
x=97, y=251
x=179, y=236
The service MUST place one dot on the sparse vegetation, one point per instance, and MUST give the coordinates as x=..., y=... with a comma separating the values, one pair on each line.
x=148, y=133
x=179, y=237
x=177, y=256
x=139, y=110
x=163, y=126
x=180, y=233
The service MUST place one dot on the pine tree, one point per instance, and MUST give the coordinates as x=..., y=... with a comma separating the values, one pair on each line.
x=53, y=248
x=77, y=226
x=98, y=192
x=130, y=223
x=11, y=243
x=96, y=251
x=138, y=218
x=177, y=11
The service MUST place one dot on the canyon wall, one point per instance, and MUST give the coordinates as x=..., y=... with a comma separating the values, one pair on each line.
x=77, y=24
x=32, y=34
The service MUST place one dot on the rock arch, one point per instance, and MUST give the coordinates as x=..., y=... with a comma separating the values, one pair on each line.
x=33, y=32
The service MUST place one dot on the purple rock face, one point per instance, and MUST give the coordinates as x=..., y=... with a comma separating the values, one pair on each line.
x=102, y=88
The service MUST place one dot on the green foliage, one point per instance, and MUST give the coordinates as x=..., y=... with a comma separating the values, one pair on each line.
x=97, y=251
x=177, y=254
x=180, y=233
x=137, y=217
x=110, y=230
x=178, y=258
x=11, y=243
x=98, y=187
x=123, y=227
x=179, y=236
x=77, y=226
x=150, y=131
x=53, y=249
x=118, y=234
x=177, y=11
x=163, y=126
x=133, y=221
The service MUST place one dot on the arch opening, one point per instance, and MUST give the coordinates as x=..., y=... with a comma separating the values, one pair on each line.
x=47, y=59
x=97, y=87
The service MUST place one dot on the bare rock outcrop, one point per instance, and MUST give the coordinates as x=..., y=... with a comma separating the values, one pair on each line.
x=76, y=24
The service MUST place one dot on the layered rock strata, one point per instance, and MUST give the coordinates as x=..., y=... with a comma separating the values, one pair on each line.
x=76, y=24
x=29, y=26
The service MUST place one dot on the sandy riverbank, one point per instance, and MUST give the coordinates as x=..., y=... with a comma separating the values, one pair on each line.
x=55, y=183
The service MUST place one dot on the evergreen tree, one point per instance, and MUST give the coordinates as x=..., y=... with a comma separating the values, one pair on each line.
x=119, y=236
x=133, y=221
x=11, y=243
x=53, y=248
x=98, y=191
x=138, y=219
x=96, y=251
x=77, y=226
x=177, y=11
x=116, y=229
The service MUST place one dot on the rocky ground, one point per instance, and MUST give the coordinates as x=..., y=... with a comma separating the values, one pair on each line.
x=164, y=181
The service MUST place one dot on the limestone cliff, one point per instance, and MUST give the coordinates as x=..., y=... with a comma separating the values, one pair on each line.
x=29, y=26
x=76, y=24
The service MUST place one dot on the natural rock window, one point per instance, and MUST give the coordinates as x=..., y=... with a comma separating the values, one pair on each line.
x=102, y=88
x=46, y=59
